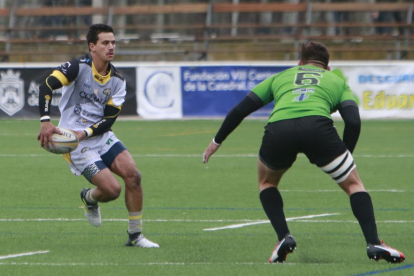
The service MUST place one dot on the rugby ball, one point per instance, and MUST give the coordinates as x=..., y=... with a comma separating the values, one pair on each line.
x=64, y=143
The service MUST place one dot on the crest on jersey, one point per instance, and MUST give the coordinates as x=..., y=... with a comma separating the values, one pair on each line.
x=11, y=92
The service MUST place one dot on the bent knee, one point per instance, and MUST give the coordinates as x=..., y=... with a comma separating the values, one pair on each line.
x=133, y=178
x=113, y=192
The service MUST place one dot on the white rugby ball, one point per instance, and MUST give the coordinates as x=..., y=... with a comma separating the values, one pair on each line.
x=64, y=143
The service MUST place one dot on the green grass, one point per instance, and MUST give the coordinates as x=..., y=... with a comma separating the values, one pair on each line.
x=190, y=196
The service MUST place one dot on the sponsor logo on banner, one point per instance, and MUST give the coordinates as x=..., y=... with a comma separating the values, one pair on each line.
x=380, y=91
x=11, y=92
x=158, y=89
x=159, y=92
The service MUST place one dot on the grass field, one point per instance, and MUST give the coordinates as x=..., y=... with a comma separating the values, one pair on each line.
x=40, y=206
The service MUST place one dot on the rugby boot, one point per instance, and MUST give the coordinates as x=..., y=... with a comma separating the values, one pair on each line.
x=282, y=248
x=383, y=251
x=138, y=240
x=92, y=211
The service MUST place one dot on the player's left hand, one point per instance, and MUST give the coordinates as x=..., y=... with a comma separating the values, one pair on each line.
x=210, y=150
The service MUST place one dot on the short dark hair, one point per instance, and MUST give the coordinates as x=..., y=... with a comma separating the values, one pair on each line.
x=314, y=51
x=95, y=30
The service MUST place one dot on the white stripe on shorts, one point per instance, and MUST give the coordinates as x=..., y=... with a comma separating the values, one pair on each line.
x=334, y=163
x=340, y=168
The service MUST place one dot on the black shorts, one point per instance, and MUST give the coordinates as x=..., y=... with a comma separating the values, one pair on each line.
x=315, y=136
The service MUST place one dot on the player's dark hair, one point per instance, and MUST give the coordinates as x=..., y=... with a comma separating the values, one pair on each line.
x=95, y=30
x=314, y=52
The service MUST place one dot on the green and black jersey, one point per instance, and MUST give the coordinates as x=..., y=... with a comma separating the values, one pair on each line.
x=302, y=91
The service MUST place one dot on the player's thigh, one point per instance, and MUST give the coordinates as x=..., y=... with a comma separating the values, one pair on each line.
x=324, y=148
x=124, y=166
x=117, y=158
x=279, y=146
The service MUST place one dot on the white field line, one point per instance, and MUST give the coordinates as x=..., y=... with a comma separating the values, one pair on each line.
x=123, y=220
x=233, y=226
x=152, y=264
x=215, y=156
x=196, y=221
x=23, y=254
x=354, y=221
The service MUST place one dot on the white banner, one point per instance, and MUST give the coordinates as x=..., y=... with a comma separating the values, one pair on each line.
x=382, y=91
x=159, y=92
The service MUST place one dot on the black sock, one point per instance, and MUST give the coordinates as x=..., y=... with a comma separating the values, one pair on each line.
x=273, y=206
x=363, y=210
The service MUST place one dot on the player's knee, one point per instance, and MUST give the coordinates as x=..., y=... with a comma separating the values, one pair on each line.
x=113, y=192
x=133, y=177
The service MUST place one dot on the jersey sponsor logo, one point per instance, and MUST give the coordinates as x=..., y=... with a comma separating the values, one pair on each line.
x=302, y=94
x=158, y=89
x=89, y=114
x=47, y=100
x=87, y=83
x=92, y=98
x=11, y=92
x=84, y=60
x=98, y=123
x=99, y=78
x=78, y=109
x=311, y=69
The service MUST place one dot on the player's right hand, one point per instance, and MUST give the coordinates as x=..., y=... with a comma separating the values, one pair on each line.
x=210, y=150
x=45, y=134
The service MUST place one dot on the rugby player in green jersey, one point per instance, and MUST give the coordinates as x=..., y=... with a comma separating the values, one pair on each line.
x=304, y=98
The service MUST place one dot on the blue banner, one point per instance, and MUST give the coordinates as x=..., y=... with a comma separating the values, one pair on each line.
x=215, y=90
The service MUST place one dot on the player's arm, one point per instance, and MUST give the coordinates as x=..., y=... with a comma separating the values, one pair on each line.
x=111, y=112
x=248, y=105
x=350, y=114
x=45, y=100
x=62, y=75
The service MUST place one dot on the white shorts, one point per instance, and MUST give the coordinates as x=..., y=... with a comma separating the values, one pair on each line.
x=90, y=151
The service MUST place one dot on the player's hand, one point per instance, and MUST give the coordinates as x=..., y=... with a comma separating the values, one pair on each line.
x=210, y=150
x=81, y=134
x=45, y=134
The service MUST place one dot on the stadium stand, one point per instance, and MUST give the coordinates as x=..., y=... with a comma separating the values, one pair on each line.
x=206, y=30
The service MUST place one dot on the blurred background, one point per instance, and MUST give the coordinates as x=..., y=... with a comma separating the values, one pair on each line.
x=207, y=30
x=198, y=58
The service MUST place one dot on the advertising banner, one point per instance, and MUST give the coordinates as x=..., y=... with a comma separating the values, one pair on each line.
x=382, y=91
x=215, y=90
x=19, y=92
x=159, y=92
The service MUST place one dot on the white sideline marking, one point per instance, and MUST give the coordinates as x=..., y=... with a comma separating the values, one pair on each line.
x=151, y=264
x=116, y=220
x=355, y=221
x=233, y=226
x=218, y=155
x=340, y=191
x=23, y=254
x=198, y=221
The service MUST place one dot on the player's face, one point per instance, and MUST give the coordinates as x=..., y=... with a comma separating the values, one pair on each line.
x=104, y=48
